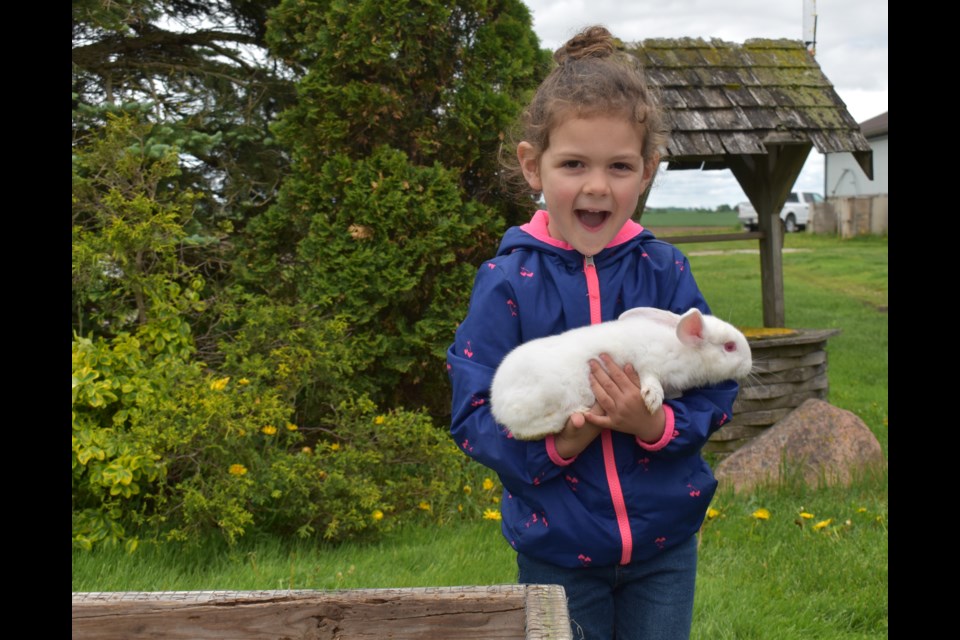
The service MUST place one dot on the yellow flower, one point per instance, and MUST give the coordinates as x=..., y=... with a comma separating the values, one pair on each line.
x=460, y=508
x=307, y=450
x=269, y=429
x=218, y=385
x=862, y=510
x=805, y=515
x=761, y=514
x=378, y=515
x=291, y=426
x=243, y=381
x=467, y=489
x=378, y=420
x=822, y=524
x=425, y=505
x=491, y=514
x=335, y=446
x=237, y=469
x=495, y=499
x=487, y=484
x=712, y=513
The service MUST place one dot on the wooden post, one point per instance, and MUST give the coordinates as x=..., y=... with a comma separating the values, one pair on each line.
x=766, y=180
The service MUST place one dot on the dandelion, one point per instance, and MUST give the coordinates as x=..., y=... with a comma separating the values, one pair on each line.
x=335, y=446
x=243, y=381
x=495, y=499
x=761, y=514
x=467, y=489
x=292, y=427
x=487, y=484
x=269, y=429
x=379, y=420
x=307, y=450
x=460, y=508
x=237, y=470
x=712, y=513
x=862, y=510
x=822, y=524
x=218, y=385
x=805, y=515
x=377, y=514
x=424, y=505
x=491, y=514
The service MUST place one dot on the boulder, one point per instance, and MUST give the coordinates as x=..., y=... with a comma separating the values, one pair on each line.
x=816, y=442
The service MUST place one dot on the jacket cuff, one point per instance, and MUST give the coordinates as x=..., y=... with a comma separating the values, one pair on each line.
x=668, y=432
x=555, y=457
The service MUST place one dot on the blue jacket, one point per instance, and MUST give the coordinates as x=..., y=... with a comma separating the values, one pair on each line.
x=620, y=499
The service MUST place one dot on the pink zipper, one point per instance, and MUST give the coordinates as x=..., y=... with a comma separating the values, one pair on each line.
x=606, y=438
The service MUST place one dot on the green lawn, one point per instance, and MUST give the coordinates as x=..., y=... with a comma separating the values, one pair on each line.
x=816, y=567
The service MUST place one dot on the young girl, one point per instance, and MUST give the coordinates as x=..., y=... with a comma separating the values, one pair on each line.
x=609, y=507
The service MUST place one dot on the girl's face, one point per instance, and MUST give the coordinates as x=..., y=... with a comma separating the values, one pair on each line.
x=592, y=176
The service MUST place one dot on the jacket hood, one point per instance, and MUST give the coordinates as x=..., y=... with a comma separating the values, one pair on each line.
x=534, y=235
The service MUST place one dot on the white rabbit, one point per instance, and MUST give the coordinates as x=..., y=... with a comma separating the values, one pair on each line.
x=542, y=382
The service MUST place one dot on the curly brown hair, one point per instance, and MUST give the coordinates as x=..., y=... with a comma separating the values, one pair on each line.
x=593, y=76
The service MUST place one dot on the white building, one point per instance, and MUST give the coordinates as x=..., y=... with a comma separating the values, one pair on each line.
x=843, y=177
x=855, y=205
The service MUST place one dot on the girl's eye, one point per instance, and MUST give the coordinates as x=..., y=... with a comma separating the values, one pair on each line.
x=622, y=166
x=572, y=164
x=729, y=346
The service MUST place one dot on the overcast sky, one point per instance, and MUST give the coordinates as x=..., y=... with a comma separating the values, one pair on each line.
x=851, y=49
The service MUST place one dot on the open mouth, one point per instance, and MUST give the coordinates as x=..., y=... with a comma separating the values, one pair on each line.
x=591, y=218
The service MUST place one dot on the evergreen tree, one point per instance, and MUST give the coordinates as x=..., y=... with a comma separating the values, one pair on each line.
x=393, y=196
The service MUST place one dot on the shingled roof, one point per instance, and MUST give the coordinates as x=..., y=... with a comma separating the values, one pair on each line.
x=723, y=99
x=756, y=109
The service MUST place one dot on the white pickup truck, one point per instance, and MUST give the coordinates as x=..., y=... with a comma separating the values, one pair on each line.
x=795, y=213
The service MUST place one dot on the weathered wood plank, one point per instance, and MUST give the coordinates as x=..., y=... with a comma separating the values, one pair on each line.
x=792, y=401
x=762, y=418
x=764, y=363
x=522, y=612
x=805, y=336
x=787, y=388
x=796, y=374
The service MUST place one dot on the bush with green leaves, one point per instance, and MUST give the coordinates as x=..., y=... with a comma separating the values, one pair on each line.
x=287, y=376
x=393, y=198
x=169, y=446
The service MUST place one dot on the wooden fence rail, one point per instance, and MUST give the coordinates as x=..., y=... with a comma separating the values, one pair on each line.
x=497, y=612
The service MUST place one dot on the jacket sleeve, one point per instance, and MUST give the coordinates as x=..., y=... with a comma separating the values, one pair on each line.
x=695, y=415
x=490, y=331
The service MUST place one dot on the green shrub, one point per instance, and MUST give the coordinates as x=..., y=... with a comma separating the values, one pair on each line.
x=271, y=432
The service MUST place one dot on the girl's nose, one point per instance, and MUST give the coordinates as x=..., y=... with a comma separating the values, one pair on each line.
x=596, y=184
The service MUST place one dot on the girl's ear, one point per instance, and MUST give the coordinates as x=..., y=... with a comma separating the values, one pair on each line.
x=530, y=165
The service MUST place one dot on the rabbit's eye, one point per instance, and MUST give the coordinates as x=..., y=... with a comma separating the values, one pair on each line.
x=729, y=346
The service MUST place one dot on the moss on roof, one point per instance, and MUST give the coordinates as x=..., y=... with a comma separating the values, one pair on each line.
x=718, y=93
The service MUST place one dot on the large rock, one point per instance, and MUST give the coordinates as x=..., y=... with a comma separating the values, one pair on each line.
x=816, y=442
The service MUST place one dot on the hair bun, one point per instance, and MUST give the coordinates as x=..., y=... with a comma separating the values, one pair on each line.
x=591, y=42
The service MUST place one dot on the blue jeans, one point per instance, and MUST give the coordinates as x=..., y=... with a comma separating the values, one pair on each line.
x=650, y=600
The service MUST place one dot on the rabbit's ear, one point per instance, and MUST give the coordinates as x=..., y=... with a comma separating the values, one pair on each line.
x=662, y=316
x=690, y=327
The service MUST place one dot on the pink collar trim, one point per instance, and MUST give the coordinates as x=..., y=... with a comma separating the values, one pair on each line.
x=537, y=227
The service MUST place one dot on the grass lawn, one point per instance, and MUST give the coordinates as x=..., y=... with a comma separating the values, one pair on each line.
x=814, y=567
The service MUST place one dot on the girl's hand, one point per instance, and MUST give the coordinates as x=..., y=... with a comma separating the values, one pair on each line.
x=577, y=433
x=618, y=395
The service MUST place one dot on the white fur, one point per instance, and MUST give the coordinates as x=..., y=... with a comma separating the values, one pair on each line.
x=542, y=382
